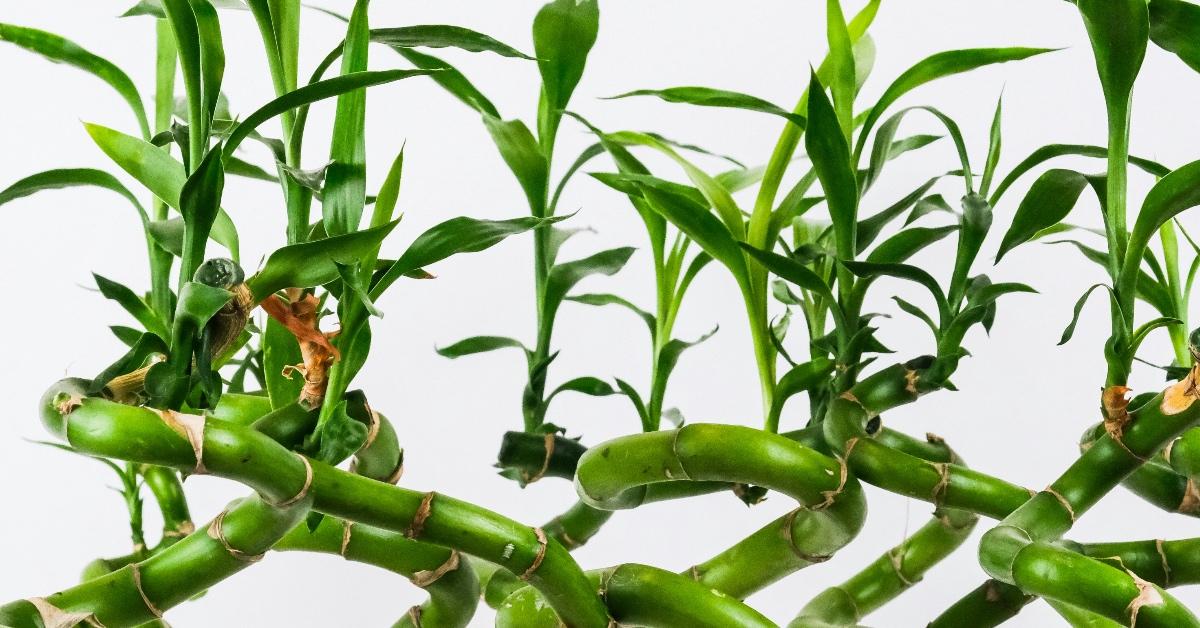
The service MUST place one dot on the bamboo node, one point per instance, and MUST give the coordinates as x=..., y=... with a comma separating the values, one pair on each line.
x=1180, y=395
x=831, y=496
x=308, y=478
x=896, y=558
x=943, y=483
x=1190, y=504
x=418, y=522
x=425, y=578
x=548, y=445
x=543, y=542
x=1166, y=565
x=181, y=529
x=347, y=532
x=695, y=572
x=562, y=536
x=54, y=617
x=910, y=382
x=136, y=572
x=394, y=478
x=1148, y=595
x=191, y=427
x=216, y=531
x=414, y=614
x=1062, y=501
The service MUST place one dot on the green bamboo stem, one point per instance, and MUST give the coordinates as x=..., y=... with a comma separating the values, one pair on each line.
x=168, y=493
x=1165, y=563
x=619, y=474
x=228, y=450
x=986, y=606
x=1021, y=549
x=880, y=463
x=1080, y=617
x=451, y=582
x=896, y=571
x=643, y=596
x=1156, y=481
x=140, y=592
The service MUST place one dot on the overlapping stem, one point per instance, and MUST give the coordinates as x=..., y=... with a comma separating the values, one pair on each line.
x=221, y=448
x=1022, y=550
x=140, y=592
x=643, y=596
x=986, y=606
x=452, y=585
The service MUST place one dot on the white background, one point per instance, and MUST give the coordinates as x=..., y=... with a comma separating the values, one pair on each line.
x=1023, y=401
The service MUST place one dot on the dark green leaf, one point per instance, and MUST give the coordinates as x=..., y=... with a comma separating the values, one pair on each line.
x=1070, y=330
x=146, y=347
x=454, y=236
x=797, y=273
x=802, y=377
x=1048, y=201
x=314, y=263
x=1051, y=151
x=906, y=243
x=638, y=405
x=928, y=205
x=1172, y=194
x=1119, y=31
x=1175, y=27
x=479, y=344
x=563, y=34
x=917, y=313
x=903, y=271
x=937, y=66
x=133, y=304
x=127, y=335
x=346, y=179
x=443, y=36
x=524, y=157
x=870, y=228
x=564, y=276
x=451, y=80
x=338, y=438
x=281, y=352
x=669, y=356
x=698, y=224
x=200, y=203
x=612, y=299
x=353, y=280
x=709, y=97
x=154, y=168
x=830, y=155
x=587, y=385
x=993, y=291
x=60, y=50
x=66, y=178
x=993, y=154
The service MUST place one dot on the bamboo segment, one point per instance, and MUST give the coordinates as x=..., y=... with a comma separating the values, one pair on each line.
x=1022, y=550
x=141, y=592
x=228, y=450
x=640, y=595
x=451, y=582
x=986, y=606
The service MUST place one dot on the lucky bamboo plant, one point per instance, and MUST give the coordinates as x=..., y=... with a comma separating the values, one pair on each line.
x=208, y=385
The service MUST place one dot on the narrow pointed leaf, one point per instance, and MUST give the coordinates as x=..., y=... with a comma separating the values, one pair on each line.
x=519, y=149
x=70, y=177
x=133, y=304
x=710, y=97
x=443, y=36
x=1049, y=200
x=451, y=80
x=563, y=34
x=1050, y=151
x=479, y=344
x=314, y=263
x=564, y=276
x=586, y=385
x=61, y=50
x=830, y=154
x=1175, y=27
x=598, y=299
x=906, y=243
x=903, y=271
x=1070, y=329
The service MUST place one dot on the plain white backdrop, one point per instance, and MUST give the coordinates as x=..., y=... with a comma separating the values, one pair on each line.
x=1023, y=400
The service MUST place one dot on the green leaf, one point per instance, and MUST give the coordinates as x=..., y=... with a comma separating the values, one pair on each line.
x=993, y=154
x=869, y=228
x=1144, y=330
x=200, y=203
x=1175, y=27
x=443, y=36
x=168, y=382
x=281, y=351
x=669, y=356
x=70, y=177
x=563, y=34
x=1172, y=194
x=1048, y=201
x=133, y=304
x=992, y=291
x=928, y=205
x=451, y=80
x=479, y=344
x=1148, y=289
x=1119, y=31
x=454, y=236
x=353, y=280
x=830, y=155
x=314, y=263
x=127, y=335
x=1070, y=330
x=564, y=276
x=61, y=50
x=709, y=97
x=802, y=377
x=639, y=406
x=938, y=66
x=918, y=313
x=798, y=274
x=346, y=180
x=338, y=438
x=312, y=93
x=147, y=346
x=202, y=62
x=160, y=173
x=587, y=385
x=843, y=80
x=700, y=226
x=904, y=244
x=1050, y=151
x=524, y=157
x=612, y=299
x=906, y=272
